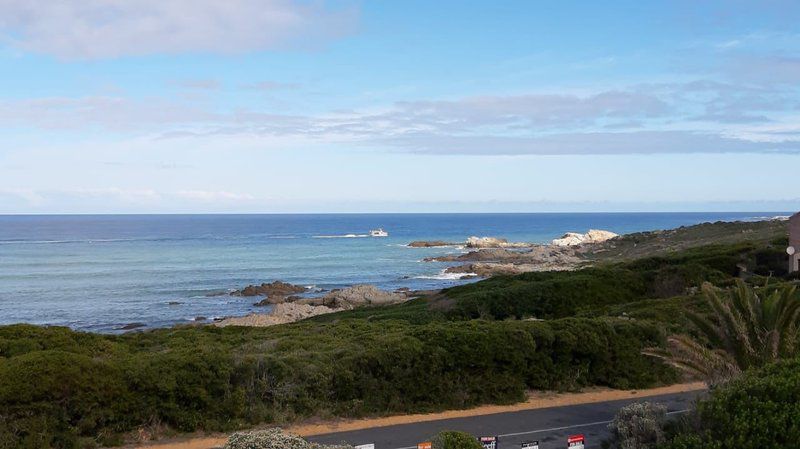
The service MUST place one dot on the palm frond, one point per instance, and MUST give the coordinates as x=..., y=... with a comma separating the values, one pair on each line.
x=744, y=330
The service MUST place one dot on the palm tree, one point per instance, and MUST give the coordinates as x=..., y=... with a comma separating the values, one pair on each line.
x=744, y=330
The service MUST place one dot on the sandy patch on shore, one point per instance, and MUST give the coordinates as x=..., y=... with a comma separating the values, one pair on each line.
x=536, y=400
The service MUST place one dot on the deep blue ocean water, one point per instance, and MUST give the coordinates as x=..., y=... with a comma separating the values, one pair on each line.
x=100, y=272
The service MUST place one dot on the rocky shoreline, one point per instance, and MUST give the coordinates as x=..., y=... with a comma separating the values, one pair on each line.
x=488, y=256
x=492, y=256
x=287, y=309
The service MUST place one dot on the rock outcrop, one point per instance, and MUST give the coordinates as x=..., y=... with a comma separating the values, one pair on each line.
x=276, y=288
x=488, y=269
x=287, y=309
x=276, y=299
x=537, y=255
x=361, y=295
x=591, y=237
x=493, y=242
x=501, y=261
x=431, y=244
x=280, y=314
x=472, y=242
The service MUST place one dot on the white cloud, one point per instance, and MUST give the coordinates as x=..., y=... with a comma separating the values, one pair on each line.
x=640, y=142
x=30, y=196
x=691, y=117
x=115, y=113
x=93, y=29
x=125, y=195
x=201, y=84
x=211, y=196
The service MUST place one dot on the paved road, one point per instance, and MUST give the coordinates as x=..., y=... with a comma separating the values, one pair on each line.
x=550, y=426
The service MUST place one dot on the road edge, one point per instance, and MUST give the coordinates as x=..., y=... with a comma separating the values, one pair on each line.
x=535, y=401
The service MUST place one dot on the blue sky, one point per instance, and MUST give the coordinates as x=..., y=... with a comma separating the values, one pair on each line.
x=110, y=106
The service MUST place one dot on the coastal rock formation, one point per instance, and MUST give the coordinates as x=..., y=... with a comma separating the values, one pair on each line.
x=472, y=242
x=287, y=309
x=493, y=242
x=280, y=314
x=488, y=269
x=276, y=288
x=591, y=237
x=502, y=261
x=542, y=254
x=276, y=299
x=490, y=254
x=430, y=244
x=361, y=295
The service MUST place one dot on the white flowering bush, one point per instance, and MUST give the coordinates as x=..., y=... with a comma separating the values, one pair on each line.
x=638, y=426
x=273, y=439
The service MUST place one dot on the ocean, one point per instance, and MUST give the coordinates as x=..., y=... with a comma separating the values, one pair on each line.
x=100, y=272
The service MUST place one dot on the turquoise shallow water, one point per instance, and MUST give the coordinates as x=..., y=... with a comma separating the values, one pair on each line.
x=101, y=272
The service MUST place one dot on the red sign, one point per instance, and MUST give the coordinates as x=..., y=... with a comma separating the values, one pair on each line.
x=425, y=445
x=576, y=442
x=488, y=442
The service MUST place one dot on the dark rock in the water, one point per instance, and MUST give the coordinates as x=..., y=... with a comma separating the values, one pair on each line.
x=430, y=244
x=131, y=326
x=268, y=301
x=277, y=288
x=275, y=299
x=174, y=303
x=490, y=254
x=200, y=318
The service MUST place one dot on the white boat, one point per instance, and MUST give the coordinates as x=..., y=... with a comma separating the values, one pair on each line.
x=378, y=233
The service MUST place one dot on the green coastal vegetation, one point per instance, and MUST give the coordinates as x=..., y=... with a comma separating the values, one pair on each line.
x=487, y=342
x=760, y=410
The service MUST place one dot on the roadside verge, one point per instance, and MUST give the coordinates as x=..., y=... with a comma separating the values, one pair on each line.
x=536, y=400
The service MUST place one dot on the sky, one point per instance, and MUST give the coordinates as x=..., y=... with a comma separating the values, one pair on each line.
x=273, y=106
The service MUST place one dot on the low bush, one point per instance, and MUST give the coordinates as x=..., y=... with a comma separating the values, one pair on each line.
x=638, y=426
x=450, y=439
x=273, y=439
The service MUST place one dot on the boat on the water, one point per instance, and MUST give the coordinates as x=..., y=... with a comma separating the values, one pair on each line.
x=378, y=233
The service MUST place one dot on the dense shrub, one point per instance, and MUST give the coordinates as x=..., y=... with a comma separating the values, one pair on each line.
x=759, y=411
x=546, y=294
x=591, y=290
x=220, y=379
x=450, y=439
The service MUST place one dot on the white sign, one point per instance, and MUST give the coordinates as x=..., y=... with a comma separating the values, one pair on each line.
x=530, y=445
x=366, y=446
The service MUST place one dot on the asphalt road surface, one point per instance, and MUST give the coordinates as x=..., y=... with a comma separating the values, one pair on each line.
x=550, y=426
